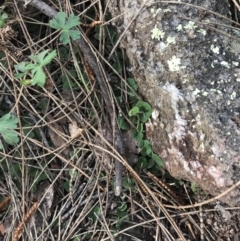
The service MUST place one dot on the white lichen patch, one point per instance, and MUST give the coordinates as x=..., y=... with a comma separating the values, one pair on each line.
x=157, y=33
x=155, y=114
x=235, y=63
x=215, y=49
x=205, y=93
x=238, y=79
x=185, y=81
x=202, y=31
x=174, y=64
x=190, y=26
x=155, y=12
x=225, y=64
x=196, y=91
x=167, y=10
x=233, y=95
x=171, y=40
x=179, y=27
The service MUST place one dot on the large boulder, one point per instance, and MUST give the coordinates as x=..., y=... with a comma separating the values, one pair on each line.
x=185, y=59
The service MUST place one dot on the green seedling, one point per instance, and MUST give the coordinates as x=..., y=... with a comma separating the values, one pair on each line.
x=38, y=76
x=122, y=214
x=128, y=183
x=94, y=213
x=195, y=188
x=3, y=17
x=132, y=83
x=7, y=125
x=142, y=110
x=62, y=23
x=123, y=124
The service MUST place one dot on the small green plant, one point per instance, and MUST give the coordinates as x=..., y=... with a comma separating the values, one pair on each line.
x=3, y=17
x=68, y=80
x=195, y=188
x=142, y=111
x=122, y=214
x=62, y=23
x=128, y=183
x=94, y=213
x=7, y=125
x=38, y=77
x=138, y=115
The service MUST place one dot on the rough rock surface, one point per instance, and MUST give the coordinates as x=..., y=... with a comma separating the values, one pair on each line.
x=187, y=67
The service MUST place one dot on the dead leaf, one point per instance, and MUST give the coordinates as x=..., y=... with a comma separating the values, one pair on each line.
x=57, y=135
x=74, y=130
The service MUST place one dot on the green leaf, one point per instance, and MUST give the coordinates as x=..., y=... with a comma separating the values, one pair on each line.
x=73, y=173
x=158, y=160
x=143, y=143
x=7, y=125
x=60, y=22
x=78, y=238
x=26, y=82
x=19, y=76
x=74, y=34
x=123, y=207
x=128, y=183
x=146, y=150
x=72, y=21
x=132, y=83
x=142, y=162
x=123, y=215
x=145, y=109
x=123, y=124
x=194, y=187
x=150, y=163
x=140, y=127
x=117, y=67
x=64, y=38
x=133, y=111
x=96, y=211
x=63, y=53
x=46, y=60
x=21, y=67
x=66, y=186
x=39, y=78
x=42, y=59
x=138, y=136
x=3, y=17
x=31, y=66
